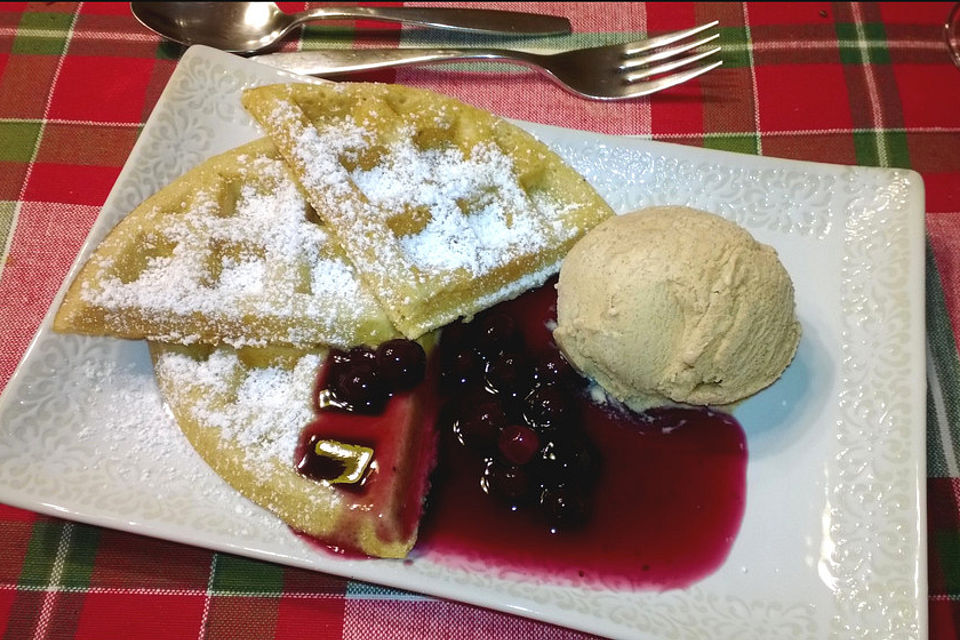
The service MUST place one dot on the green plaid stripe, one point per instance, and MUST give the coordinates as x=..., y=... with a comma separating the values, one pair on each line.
x=42, y=34
x=866, y=60
x=59, y=555
x=167, y=50
x=240, y=576
x=880, y=140
x=53, y=579
x=735, y=42
x=7, y=210
x=936, y=457
x=318, y=36
x=38, y=34
x=41, y=552
x=882, y=148
x=20, y=140
x=864, y=43
x=736, y=142
x=943, y=409
x=948, y=550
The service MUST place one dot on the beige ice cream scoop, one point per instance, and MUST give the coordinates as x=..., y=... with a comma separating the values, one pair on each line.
x=671, y=304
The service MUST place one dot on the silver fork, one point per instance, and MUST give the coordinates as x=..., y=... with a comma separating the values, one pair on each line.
x=614, y=72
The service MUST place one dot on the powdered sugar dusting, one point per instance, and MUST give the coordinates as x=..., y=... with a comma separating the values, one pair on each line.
x=478, y=217
x=116, y=454
x=442, y=208
x=143, y=427
x=318, y=153
x=260, y=410
x=251, y=263
x=129, y=436
x=500, y=225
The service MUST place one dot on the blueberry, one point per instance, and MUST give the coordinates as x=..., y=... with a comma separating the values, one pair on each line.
x=553, y=368
x=454, y=335
x=564, y=507
x=516, y=411
x=359, y=387
x=567, y=461
x=401, y=363
x=461, y=371
x=548, y=407
x=480, y=423
x=509, y=375
x=362, y=354
x=498, y=333
x=337, y=360
x=506, y=482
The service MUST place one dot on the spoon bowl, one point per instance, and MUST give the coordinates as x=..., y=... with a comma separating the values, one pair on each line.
x=250, y=27
x=237, y=27
x=951, y=33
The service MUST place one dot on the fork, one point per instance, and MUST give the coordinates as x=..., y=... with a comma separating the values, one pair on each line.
x=614, y=72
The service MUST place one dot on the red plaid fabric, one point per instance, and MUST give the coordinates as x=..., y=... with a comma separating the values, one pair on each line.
x=866, y=84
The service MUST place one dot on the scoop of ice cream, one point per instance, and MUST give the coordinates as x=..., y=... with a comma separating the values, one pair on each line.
x=674, y=304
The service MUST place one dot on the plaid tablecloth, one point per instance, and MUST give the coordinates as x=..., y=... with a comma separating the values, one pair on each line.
x=866, y=84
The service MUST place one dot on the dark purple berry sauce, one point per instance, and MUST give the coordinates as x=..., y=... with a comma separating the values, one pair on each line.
x=357, y=383
x=402, y=363
x=536, y=478
x=362, y=380
x=533, y=476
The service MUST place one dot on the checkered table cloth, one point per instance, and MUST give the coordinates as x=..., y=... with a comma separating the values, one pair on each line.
x=866, y=84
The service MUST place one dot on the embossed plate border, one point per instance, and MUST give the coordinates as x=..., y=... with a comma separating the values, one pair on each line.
x=846, y=468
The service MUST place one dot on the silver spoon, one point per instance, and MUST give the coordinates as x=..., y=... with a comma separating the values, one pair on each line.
x=248, y=27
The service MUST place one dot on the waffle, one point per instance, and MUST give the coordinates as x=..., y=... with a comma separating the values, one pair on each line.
x=243, y=411
x=444, y=209
x=228, y=253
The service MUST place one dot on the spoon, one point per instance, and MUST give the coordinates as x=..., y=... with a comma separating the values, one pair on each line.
x=248, y=27
x=951, y=32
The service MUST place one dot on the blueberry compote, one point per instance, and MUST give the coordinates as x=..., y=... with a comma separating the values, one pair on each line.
x=534, y=477
x=372, y=437
x=516, y=412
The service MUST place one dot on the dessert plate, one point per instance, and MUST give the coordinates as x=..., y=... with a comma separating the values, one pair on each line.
x=832, y=542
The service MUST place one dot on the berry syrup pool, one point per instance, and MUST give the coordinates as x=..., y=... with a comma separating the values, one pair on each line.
x=665, y=504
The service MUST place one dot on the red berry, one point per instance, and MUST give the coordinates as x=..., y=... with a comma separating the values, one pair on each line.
x=518, y=443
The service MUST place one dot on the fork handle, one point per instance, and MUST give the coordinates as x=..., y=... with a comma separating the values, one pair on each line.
x=463, y=20
x=336, y=61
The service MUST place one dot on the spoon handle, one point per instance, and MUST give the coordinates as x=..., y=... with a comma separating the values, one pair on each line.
x=464, y=20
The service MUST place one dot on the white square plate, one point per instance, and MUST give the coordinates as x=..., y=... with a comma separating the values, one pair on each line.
x=832, y=543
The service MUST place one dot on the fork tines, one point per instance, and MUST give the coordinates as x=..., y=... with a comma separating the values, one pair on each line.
x=635, y=68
